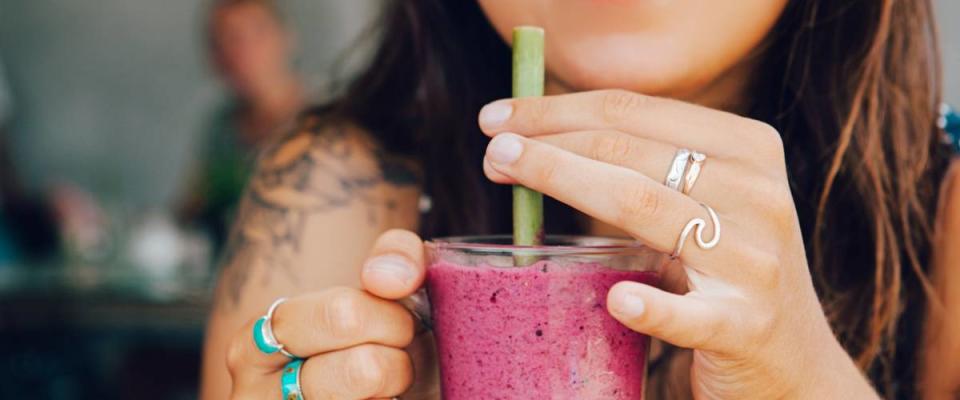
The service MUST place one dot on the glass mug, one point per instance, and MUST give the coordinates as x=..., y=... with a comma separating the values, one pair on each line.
x=530, y=322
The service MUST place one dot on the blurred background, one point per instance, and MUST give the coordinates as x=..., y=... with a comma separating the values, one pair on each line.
x=127, y=129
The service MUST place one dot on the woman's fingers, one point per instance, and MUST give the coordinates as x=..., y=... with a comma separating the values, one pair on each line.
x=669, y=121
x=716, y=133
x=616, y=195
x=716, y=180
x=350, y=337
x=339, y=318
x=361, y=372
x=649, y=157
x=321, y=322
x=395, y=268
x=683, y=320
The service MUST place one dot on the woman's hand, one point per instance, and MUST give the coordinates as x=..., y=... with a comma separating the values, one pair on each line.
x=352, y=339
x=750, y=310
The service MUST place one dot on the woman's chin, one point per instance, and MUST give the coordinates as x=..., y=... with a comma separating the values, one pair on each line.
x=645, y=78
x=656, y=68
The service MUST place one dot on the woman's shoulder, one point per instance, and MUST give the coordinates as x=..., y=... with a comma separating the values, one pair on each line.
x=325, y=164
x=948, y=208
x=337, y=147
x=945, y=274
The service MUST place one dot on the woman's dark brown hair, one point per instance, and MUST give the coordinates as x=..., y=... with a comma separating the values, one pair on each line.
x=852, y=86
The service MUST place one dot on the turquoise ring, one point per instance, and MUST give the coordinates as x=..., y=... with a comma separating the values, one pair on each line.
x=260, y=337
x=263, y=335
x=290, y=381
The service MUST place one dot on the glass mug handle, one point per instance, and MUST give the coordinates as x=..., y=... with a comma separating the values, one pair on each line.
x=419, y=306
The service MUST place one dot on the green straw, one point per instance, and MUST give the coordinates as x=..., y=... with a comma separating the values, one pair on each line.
x=528, y=74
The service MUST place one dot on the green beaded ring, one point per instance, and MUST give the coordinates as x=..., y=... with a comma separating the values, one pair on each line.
x=290, y=381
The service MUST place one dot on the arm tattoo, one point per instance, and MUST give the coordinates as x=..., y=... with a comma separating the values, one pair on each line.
x=306, y=175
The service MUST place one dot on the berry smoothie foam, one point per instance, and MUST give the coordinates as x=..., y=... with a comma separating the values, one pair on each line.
x=535, y=332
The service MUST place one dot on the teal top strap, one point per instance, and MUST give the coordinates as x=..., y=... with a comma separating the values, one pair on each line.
x=949, y=121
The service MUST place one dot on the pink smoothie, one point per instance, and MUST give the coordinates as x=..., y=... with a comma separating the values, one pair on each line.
x=537, y=332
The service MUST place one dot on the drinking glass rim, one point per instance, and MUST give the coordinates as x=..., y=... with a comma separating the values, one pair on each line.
x=501, y=244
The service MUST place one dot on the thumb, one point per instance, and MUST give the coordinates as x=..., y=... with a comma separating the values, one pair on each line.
x=395, y=268
x=683, y=320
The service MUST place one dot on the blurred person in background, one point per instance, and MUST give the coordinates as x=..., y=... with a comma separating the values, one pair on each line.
x=252, y=52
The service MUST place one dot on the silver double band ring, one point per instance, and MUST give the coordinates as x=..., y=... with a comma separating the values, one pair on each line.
x=693, y=171
x=677, y=169
x=684, y=170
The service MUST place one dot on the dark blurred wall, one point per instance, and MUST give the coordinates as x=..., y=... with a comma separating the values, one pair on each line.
x=111, y=94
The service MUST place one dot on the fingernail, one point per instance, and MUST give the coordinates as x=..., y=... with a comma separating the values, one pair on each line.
x=391, y=267
x=496, y=113
x=629, y=305
x=504, y=149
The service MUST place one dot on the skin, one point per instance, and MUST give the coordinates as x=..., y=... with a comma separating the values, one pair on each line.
x=942, y=372
x=699, y=51
x=747, y=307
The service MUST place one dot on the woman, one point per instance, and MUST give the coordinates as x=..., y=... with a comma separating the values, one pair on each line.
x=252, y=51
x=825, y=167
